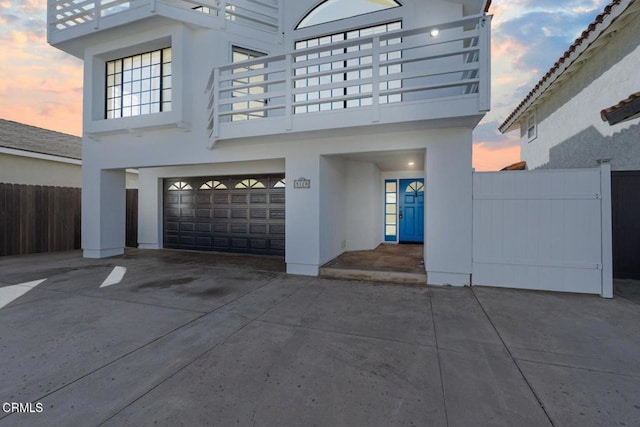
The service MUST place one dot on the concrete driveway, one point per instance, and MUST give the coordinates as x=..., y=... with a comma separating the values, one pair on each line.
x=202, y=339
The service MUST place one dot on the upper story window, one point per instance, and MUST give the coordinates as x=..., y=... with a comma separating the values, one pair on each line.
x=532, y=128
x=351, y=76
x=334, y=10
x=248, y=87
x=139, y=84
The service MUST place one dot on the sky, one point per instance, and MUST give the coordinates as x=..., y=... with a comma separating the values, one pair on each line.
x=42, y=86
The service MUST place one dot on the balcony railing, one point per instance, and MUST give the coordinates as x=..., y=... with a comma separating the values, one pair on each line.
x=98, y=14
x=426, y=73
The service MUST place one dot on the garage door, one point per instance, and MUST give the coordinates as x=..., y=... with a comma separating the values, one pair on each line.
x=231, y=214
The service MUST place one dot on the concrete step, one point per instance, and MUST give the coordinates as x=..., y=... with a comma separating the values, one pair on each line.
x=374, y=275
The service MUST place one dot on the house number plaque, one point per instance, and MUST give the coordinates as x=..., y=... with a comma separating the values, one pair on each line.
x=302, y=183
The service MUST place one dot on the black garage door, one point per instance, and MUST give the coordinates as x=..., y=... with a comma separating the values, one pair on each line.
x=231, y=214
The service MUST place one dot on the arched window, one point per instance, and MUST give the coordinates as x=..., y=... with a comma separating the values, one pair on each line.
x=334, y=10
x=180, y=186
x=415, y=187
x=250, y=183
x=213, y=185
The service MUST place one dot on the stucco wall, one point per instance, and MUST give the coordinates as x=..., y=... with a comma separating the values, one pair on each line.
x=571, y=133
x=30, y=171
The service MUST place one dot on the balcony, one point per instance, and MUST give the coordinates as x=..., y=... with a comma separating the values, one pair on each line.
x=70, y=19
x=432, y=73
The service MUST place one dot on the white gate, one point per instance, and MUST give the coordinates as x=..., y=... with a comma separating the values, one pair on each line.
x=545, y=230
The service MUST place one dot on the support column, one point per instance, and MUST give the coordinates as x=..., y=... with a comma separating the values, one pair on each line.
x=103, y=212
x=149, y=210
x=303, y=214
x=448, y=210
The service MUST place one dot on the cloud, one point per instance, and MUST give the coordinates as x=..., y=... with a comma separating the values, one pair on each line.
x=489, y=158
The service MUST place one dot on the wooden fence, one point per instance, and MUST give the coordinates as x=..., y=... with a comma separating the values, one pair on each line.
x=47, y=219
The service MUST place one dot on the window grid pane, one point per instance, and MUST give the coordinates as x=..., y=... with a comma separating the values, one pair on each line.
x=139, y=84
x=390, y=210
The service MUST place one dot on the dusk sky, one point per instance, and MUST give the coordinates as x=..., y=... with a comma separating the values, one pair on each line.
x=42, y=86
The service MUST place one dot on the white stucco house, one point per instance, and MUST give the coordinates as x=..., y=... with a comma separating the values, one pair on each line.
x=585, y=110
x=300, y=128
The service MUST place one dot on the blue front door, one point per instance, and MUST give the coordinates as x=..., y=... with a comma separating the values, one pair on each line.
x=411, y=211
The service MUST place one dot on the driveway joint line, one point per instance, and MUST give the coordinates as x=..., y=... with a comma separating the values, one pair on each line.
x=513, y=359
x=349, y=334
x=578, y=368
x=201, y=315
x=195, y=359
x=435, y=337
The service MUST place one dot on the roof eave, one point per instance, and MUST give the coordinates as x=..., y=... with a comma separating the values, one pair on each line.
x=581, y=45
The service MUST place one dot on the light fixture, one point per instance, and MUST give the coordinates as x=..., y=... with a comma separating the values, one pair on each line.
x=435, y=32
x=412, y=163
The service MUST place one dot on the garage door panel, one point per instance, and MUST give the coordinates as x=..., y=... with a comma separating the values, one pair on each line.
x=260, y=213
x=239, y=243
x=258, y=198
x=222, y=228
x=259, y=243
x=171, y=199
x=276, y=213
x=203, y=198
x=277, y=244
x=276, y=198
x=239, y=199
x=203, y=227
x=259, y=229
x=203, y=213
x=239, y=227
x=221, y=213
x=172, y=213
x=221, y=199
x=186, y=212
x=203, y=242
x=187, y=226
x=276, y=229
x=237, y=214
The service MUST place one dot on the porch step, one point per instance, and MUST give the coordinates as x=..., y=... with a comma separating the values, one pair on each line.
x=374, y=275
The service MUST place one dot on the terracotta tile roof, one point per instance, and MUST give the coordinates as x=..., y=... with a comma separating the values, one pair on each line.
x=624, y=110
x=565, y=58
x=518, y=166
x=19, y=136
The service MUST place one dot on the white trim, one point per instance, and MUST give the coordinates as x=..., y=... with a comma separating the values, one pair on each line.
x=40, y=156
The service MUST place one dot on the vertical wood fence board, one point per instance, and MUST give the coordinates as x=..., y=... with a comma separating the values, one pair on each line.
x=39, y=219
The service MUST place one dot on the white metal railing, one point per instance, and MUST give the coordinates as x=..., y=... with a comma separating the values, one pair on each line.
x=397, y=68
x=262, y=14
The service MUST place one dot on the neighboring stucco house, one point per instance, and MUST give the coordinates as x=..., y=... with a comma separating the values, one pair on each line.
x=585, y=111
x=302, y=128
x=35, y=156
x=30, y=155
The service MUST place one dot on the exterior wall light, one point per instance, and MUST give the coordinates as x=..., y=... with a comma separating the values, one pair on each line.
x=412, y=163
x=435, y=32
